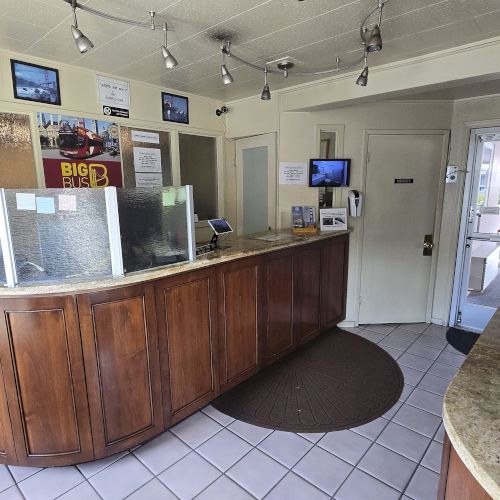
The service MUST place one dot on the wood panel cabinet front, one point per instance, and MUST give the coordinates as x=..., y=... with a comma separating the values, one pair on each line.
x=187, y=329
x=238, y=305
x=279, y=304
x=122, y=367
x=334, y=261
x=43, y=372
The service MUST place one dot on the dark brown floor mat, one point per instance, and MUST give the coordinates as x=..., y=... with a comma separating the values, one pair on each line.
x=338, y=381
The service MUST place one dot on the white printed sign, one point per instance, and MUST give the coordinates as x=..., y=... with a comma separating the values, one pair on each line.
x=147, y=160
x=113, y=92
x=294, y=173
x=145, y=179
x=143, y=136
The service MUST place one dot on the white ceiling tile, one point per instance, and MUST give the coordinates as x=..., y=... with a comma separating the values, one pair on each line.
x=20, y=30
x=489, y=23
x=13, y=45
x=36, y=12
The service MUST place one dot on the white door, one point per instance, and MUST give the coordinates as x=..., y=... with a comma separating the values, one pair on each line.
x=404, y=174
x=256, y=183
x=477, y=281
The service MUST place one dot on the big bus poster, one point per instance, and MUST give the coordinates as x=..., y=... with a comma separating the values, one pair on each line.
x=79, y=152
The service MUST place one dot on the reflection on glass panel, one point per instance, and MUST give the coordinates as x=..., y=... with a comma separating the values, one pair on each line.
x=484, y=279
x=66, y=236
x=153, y=225
x=198, y=163
x=327, y=145
x=3, y=279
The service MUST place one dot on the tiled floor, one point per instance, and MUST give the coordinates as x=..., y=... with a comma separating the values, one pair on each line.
x=212, y=456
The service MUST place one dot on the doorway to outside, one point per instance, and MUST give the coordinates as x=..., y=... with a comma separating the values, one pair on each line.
x=404, y=182
x=256, y=184
x=476, y=291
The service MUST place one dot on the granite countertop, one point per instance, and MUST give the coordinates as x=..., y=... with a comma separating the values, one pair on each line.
x=231, y=249
x=471, y=410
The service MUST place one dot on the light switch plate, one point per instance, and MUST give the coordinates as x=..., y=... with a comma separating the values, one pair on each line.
x=451, y=173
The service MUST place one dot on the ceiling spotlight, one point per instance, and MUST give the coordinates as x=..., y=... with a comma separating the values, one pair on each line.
x=168, y=58
x=363, y=77
x=375, y=42
x=227, y=78
x=82, y=42
x=285, y=66
x=266, y=93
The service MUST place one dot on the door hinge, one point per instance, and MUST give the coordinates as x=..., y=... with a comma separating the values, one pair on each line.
x=459, y=317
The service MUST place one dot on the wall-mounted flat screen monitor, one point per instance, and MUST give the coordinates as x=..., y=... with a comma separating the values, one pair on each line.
x=329, y=173
x=220, y=226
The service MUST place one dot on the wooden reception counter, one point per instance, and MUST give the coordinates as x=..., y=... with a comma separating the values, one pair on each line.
x=90, y=369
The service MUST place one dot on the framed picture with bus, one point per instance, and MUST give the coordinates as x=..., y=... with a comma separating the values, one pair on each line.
x=36, y=83
x=175, y=108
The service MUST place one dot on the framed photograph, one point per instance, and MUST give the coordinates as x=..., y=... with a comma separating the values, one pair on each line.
x=175, y=108
x=333, y=219
x=35, y=83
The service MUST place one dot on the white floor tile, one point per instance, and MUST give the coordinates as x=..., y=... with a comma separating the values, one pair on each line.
x=407, y=390
x=257, y=473
x=323, y=469
x=372, y=429
x=449, y=358
x=224, y=449
x=161, y=452
x=346, y=445
x=50, y=483
x=6, y=480
x=372, y=336
x=218, y=416
x=196, y=429
x=393, y=352
x=314, y=437
x=415, y=362
x=89, y=469
x=293, y=487
x=384, y=329
x=415, y=327
x=285, y=447
x=154, y=490
x=427, y=401
x=189, y=476
x=121, y=478
x=388, y=466
x=82, y=491
x=11, y=493
x=442, y=370
x=404, y=441
x=395, y=343
x=392, y=411
x=351, y=329
x=432, y=457
x=424, y=351
x=405, y=335
x=417, y=420
x=439, y=437
x=424, y=485
x=360, y=485
x=437, y=331
x=411, y=376
x=434, y=384
x=224, y=489
x=431, y=341
x=19, y=472
x=251, y=433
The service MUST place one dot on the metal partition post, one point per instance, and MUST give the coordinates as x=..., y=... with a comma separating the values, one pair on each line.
x=9, y=260
x=190, y=222
x=115, y=244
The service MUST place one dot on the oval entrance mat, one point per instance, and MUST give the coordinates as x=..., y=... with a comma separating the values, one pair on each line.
x=338, y=381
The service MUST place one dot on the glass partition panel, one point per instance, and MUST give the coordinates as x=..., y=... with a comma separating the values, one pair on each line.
x=198, y=163
x=58, y=233
x=3, y=279
x=155, y=230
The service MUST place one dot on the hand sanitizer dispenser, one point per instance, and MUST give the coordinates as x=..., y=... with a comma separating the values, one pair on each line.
x=355, y=200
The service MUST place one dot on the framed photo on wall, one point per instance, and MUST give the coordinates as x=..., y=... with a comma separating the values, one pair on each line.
x=35, y=83
x=175, y=108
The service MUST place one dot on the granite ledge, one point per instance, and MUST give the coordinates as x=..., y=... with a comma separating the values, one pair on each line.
x=471, y=410
x=238, y=248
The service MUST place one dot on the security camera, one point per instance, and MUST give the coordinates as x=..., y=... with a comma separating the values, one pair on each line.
x=222, y=111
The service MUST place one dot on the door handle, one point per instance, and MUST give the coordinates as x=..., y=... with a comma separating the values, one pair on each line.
x=428, y=245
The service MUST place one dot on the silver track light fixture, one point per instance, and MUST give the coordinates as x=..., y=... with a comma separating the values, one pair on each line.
x=226, y=76
x=363, y=77
x=266, y=93
x=170, y=60
x=375, y=41
x=82, y=42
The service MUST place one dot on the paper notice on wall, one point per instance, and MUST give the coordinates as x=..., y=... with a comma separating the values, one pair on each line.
x=67, y=202
x=25, y=201
x=45, y=205
x=147, y=160
x=145, y=179
x=294, y=173
x=143, y=136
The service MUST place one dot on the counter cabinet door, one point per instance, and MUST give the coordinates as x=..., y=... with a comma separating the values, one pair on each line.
x=239, y=305
x=120, y=347
x=187, y=325
x=42, y=365
x=334, y=263
x=278, y=311
x=308, y=293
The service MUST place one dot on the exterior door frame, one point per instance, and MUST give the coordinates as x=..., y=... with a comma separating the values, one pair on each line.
x=439, y=207
x=264, y=140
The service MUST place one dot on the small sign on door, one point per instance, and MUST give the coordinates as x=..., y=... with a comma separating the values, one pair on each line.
x=403, y=181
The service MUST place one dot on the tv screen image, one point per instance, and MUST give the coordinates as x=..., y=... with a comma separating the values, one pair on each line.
x=329, y=173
